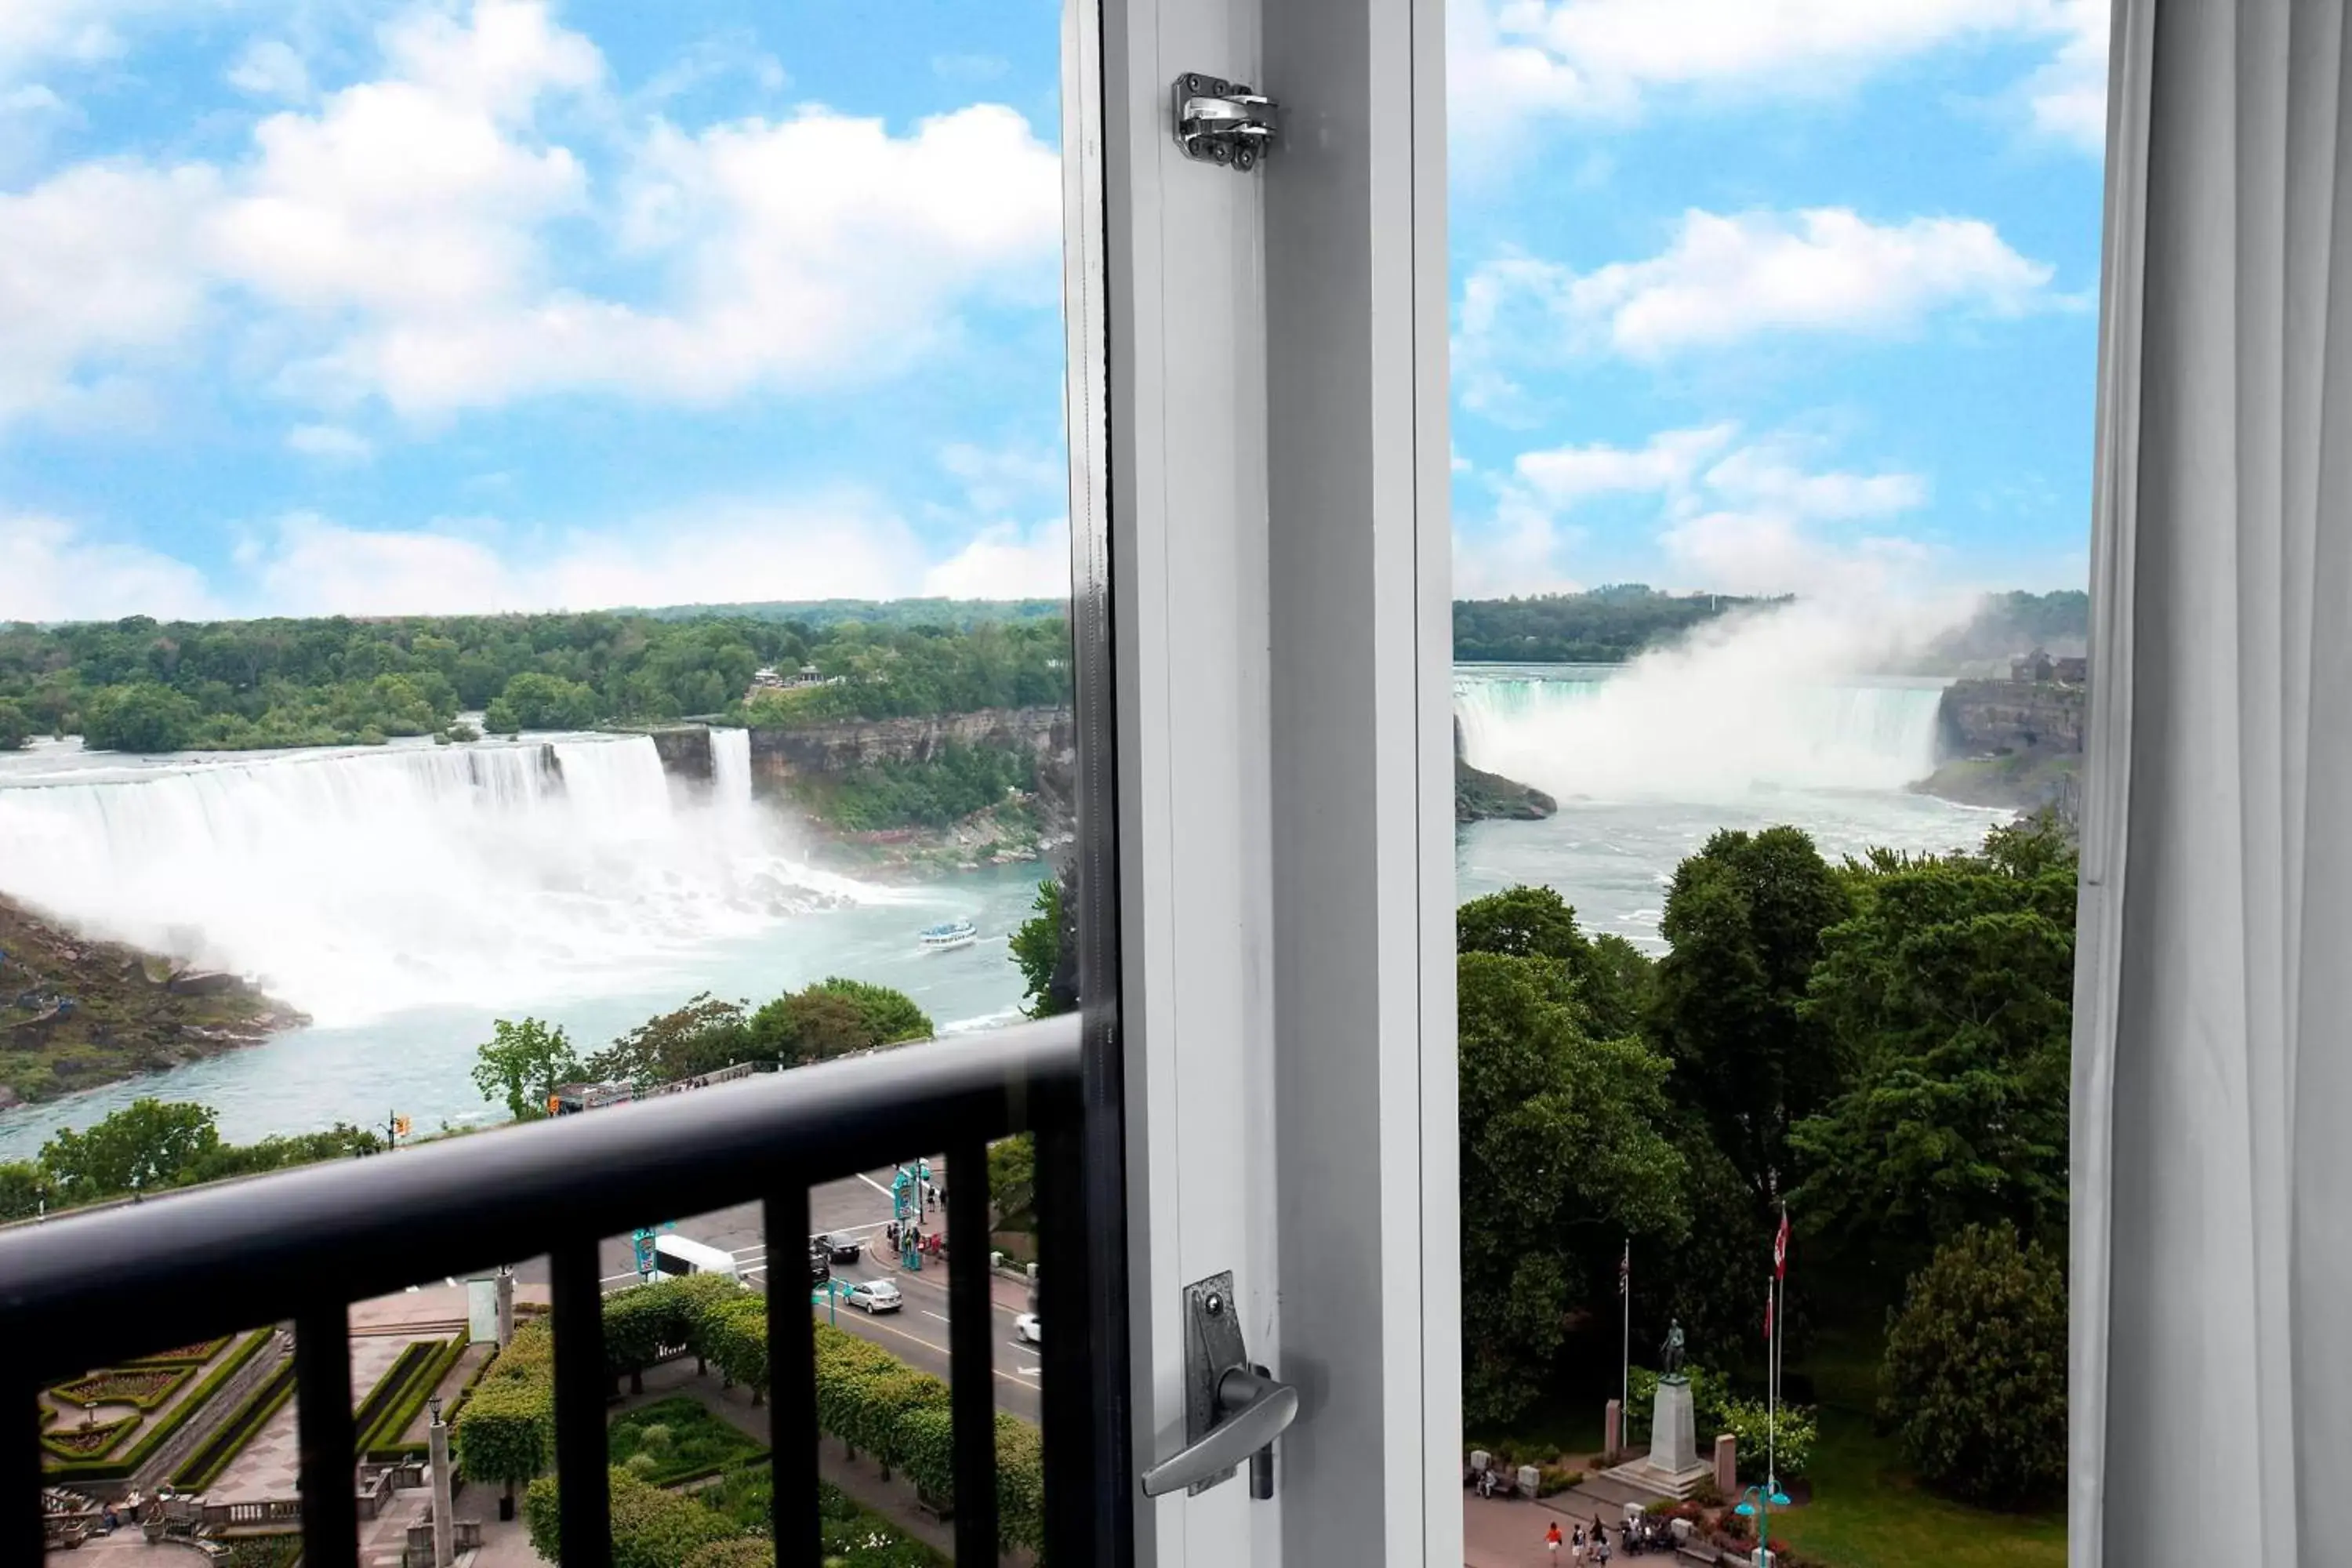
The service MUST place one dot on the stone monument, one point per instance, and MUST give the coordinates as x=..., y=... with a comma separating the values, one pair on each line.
x=1672, y=1467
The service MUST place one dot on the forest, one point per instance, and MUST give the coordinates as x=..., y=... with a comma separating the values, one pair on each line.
x=1602, y=625
x=140, y=685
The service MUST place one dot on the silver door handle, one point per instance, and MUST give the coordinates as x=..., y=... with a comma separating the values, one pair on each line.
x=1253, y=1410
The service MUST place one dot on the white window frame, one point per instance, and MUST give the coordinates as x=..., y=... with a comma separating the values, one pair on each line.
x=1258, y=396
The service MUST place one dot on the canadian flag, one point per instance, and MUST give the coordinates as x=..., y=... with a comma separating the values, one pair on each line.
x=1781, y=1247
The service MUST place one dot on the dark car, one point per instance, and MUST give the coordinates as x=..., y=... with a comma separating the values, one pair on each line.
x=842, y=1248
x=819, y=1266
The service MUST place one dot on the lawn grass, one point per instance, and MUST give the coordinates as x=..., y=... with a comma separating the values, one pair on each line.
x=694, y=1442
x=1867, y=1513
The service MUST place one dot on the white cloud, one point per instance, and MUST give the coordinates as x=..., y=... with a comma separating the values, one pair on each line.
x=38, y=33
x=1513, y=61
x=1744, y=518
x=93, y=278
x=50, y=571
x=330, y=443
x=1564, y=475
x=2067, y=98
x=270, y=68
x=403, y=237
x=997, y=480
x=1006, y=562
x=1725, y=279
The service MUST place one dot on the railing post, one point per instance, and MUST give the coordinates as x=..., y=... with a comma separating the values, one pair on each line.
x=324, y=1437
x=791, y=1377
x=972, y=1355
x=20, y=1456
x=581, y=1447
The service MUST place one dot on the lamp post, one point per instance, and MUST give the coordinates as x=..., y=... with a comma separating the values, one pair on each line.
x=1758, y=1503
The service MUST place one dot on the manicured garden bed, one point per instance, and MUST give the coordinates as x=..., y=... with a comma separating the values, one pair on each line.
x=144, y=1386
x=678, y=1439
x=95, y=1442
x=182, y=1355
x=120, y=1465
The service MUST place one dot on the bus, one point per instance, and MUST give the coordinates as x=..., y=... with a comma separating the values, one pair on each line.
x=676, y=1255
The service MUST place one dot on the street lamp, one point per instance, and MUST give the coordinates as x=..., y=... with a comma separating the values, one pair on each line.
x=433, y=1405
x=1758, y=1503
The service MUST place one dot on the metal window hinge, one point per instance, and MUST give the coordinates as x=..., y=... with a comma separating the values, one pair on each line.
x=1221, y=122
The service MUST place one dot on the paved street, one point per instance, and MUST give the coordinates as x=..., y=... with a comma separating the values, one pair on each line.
x=860, y=1205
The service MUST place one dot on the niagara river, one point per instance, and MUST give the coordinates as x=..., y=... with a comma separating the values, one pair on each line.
x=403, y=897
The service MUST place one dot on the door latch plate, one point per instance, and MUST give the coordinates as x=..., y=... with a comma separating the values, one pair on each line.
x=1212, y=1341
x=1221, y=122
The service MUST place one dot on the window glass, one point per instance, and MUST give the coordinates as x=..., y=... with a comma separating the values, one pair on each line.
x=533, y=573
x=1774, y=338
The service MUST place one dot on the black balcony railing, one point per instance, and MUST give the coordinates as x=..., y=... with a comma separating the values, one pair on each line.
x=78, y=1292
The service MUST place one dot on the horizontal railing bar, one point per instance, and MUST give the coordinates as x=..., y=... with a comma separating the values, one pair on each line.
x=210, y=1261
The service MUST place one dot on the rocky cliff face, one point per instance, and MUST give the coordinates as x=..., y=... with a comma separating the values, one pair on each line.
x=76, y=1012
x=1479, y=795
x=2010, y=743
x=785, y=757
x=685, y=751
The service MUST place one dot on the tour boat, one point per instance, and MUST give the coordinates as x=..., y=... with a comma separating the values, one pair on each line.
x=954, y=934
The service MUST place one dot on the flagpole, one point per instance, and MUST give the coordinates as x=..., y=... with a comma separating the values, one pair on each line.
x=1625, y=1361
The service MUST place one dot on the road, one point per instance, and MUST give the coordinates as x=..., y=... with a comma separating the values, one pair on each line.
x=860, y=1205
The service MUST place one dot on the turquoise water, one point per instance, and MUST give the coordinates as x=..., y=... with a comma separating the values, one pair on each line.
x=579, y=887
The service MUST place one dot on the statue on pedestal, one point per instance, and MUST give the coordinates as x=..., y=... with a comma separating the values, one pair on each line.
x=1670, y=1355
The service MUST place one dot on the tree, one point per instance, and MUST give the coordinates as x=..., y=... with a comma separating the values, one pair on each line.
x=1974, y=1383
x=1948, y=998
x=147, y=1145
x=145, y=717
x=16, y=724
x=652, y=1527
x=1744, y=918
x=534, y=700
x=1609, y=973
x=806, y=1027
x=1012, y=1181
x=1561, y=1159
x=523, y=1064
x=506, y=1434
x=702, y=1036
x=890, y=1015
x=1049, y=983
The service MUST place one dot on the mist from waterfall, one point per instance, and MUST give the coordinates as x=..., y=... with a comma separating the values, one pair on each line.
x=1776, y=700
x=354, y=884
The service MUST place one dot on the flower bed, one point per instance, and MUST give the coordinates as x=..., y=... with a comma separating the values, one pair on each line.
x=400, y=1393
x=89, y=1442
x=182, y=1355
x=122, y=1466
x=146, y=1388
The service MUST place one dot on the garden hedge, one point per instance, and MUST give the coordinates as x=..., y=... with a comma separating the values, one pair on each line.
x=652, y=1527
x=122, y=1466
x=400, y=1393
x=157, y=1385
x=203, y=1467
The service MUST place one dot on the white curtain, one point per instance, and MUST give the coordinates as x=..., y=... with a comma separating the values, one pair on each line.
x=2211, y=1402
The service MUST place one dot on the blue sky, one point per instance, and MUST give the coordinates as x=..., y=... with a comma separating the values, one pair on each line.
x=315, y=305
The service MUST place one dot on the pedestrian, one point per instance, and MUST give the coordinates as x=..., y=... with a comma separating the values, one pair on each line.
x=1576, y=1545
x=1551, y=1539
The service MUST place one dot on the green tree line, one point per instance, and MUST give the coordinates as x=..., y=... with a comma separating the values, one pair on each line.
x=142, y=685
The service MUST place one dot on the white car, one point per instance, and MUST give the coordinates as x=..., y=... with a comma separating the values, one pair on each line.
x=1025, y=1329
x=875, y=1296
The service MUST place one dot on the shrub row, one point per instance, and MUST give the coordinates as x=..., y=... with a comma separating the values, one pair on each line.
x=92, y=1442
x=400, y=1393
x=182, y=1355
x=122, y=1466
x=505, y=1429
x=213, y=1455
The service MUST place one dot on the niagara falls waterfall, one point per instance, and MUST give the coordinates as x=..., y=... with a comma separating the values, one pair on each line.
x=356, y=884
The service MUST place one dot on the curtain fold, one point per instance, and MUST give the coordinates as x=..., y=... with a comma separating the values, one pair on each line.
x=2212, y=1375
